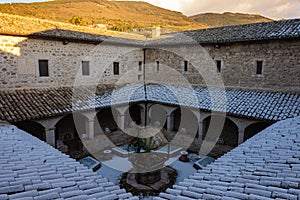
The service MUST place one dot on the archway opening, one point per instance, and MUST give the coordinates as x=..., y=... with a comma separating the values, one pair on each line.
x=253, y=129
x=184, y=119
x=33, y=128
x=105, y=120
x=158, y=116
x=68, y=133
x=133, y=114
x=228, y=136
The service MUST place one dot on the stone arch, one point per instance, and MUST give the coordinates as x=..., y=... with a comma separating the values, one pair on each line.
x=69, y=129
x=255, y=128
x=106, y=119
x=230, y=132
x=158, y=114
x=133, y=113
x=34, y=128
x=184, y=118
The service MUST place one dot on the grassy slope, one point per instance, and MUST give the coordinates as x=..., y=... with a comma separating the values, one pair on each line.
x=113, y=13
x=18, y=25
x=227, y=19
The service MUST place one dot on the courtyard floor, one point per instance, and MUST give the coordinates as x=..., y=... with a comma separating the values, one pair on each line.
x=184, y=169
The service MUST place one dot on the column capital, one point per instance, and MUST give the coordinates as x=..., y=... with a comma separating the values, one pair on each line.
x=90, y=128
x=50, y=129
x=50, y=136
x=241, y=136
x=241, y=130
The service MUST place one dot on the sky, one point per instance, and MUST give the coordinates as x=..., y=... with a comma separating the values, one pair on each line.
x=270, y=8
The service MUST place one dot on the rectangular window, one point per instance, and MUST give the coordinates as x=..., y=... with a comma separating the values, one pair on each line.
x=85, y=68
x=157, y=65
x=43, y=68
x=259, y=67
x=140, y=66
x=186, y=65
x=116, y=68
x=219, y=65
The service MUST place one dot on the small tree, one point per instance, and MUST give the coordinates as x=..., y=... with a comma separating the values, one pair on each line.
x=77, y=20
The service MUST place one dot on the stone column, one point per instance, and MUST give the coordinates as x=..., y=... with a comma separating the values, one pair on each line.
x=122, y=121
x=241, y=136
x=90, y=128
x=142, y=116
x=200, y=130
x=50, y=136
x=169, y=122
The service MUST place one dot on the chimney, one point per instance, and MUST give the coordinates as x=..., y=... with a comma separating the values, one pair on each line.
x=156, y=32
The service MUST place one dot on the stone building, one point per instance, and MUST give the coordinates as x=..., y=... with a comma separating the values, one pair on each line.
x=245, y=77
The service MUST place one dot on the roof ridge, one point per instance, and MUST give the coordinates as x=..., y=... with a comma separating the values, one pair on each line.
x=249, y=24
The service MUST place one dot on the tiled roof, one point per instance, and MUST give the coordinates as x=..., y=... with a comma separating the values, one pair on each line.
x=32, y=169
x=24, y=26
x=26, y=104
x=36, y=103
x=274, y=106
x=267, y=166
x=69, y=35
x=283, y=29
x=60, y=34
x=18, y=105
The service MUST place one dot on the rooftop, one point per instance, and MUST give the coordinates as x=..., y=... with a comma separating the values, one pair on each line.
x=267, y=166
x=38, y=28
x=283, y=29
x=32, y=169
x=26, y=104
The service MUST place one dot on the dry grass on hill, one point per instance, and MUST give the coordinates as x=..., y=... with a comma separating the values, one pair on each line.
x=17, y=25
x=116, y=15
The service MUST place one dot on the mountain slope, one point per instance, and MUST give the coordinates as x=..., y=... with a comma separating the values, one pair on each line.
x=228, y=19
x=18, y=25
x=117, y=15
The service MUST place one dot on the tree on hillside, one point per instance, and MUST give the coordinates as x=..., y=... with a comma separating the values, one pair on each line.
x=77, y=20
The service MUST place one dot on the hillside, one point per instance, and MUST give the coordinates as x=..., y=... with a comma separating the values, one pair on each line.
x=116, y=15
x=18, y=25
x=227, y=19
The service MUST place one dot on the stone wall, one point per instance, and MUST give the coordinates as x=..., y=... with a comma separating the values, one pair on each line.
x=281, y=65
x=20, y=55
x=19, y=64
x=200, y=67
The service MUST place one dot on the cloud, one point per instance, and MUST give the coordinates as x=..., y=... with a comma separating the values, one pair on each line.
x=269, y=8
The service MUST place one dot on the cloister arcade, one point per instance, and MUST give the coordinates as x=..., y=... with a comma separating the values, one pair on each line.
x=71, y=127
